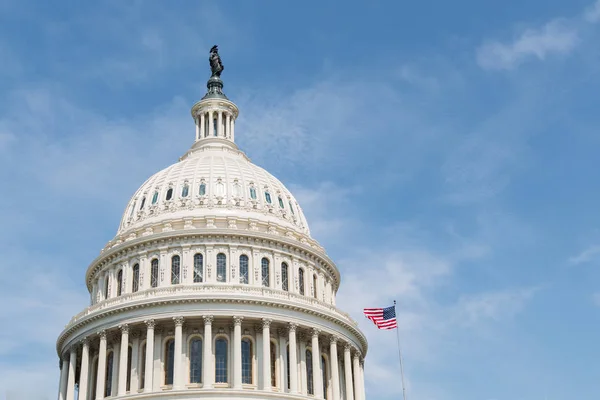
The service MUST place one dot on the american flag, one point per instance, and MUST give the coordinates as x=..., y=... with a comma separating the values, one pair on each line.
x=384, y=318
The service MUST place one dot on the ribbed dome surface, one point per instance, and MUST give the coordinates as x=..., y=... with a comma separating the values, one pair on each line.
x=217, y=181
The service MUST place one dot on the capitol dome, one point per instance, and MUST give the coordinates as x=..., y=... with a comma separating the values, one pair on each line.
x=212, y=288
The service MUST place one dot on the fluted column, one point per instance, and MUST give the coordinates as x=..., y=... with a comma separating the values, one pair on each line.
x=282, y=364
x=356, y=369
x=237, y=352
x=304, y=381
x=135, y=354
x=177, y=363
x=348, y=373
x=101, y=375
x=316, y=364
x=71, y=373
x=123, y=354
x=116, y=345
x=149, y=373
x=362, y=380
x=202, y=123
x=64, y=374
x=228, y=125
x=266, y=356
x=84, y=371
x=207, y=357
x=232, y=135
x=335, y=373
x=211, y=123
x=293, y=358
x=220, y=124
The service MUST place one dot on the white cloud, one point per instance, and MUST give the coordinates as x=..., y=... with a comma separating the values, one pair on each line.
x=587, y=255
x=592, y=13
x=556, y=37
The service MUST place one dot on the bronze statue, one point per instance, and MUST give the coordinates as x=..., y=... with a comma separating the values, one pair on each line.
x=216, y=66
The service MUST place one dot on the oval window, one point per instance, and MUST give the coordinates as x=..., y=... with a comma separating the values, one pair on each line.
x=170, y=194
x=281, y=202
x=143, y=203
x=155, y=198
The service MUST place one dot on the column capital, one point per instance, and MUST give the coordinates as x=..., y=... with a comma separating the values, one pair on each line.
x=150, y=323
x=237, y=321
x=178, y=321
x=208, y=319
x=315, y=332
x=348, y=347
x=85, y=342
x=124, y=328
x=333, y=340
x=102, y=334
x=266, y=322
x=292, y=327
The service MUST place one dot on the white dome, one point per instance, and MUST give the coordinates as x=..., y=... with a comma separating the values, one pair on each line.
x=216, y=181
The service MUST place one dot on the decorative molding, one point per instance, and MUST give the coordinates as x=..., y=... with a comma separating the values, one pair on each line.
x=178, y=321
x=124, y=328
x=102, y=335
x=315, y=332
x=208, y=319
x=292, y=327
x=150, y=323
x=237, y=321
x=266, y=323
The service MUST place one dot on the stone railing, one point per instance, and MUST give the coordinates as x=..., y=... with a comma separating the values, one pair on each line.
x=214, y=291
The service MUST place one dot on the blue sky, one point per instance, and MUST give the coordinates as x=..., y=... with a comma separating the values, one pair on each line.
x=445, y=154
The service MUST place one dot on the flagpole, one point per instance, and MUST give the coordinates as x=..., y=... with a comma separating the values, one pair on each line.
x=400, y=356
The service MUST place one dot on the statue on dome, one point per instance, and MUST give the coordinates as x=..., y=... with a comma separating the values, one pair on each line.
x=216, y=66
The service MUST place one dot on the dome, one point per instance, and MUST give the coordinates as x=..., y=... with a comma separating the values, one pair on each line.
x=217, y=182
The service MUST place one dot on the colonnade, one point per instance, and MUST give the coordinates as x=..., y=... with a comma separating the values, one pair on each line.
x=225, y=125
x=145, y=363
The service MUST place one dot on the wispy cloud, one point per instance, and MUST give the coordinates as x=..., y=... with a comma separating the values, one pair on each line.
x=592, y=13
x=554, y=38
x=586, y=256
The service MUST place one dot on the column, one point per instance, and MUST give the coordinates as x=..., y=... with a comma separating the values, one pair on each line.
x=362, y=380
x=84, y=374
x=228, y=125
x=237, y=352
x=356, y=368
x=116, y=365
x=304, y=384
x=207, y=357
x=123, y=354
x=316, y=363
x=149, y=373
x=202, y=123
x=157, y=375
x=101, y=376
x=348, y=373
x=211, y=123
x=64, y=373
x=282, y=364
x=135, y=354
x=71, y=375
x=232, y=135
x=293, y=358
x=197, y=121
x=266, y=354
x=335, y=373
x=177, y=363
x=220, y=124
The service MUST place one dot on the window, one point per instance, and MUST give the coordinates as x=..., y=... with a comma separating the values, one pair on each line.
x=246, y=361
x=196, y=360
x=237, y=190
x=109, y=372
x=309, y=372
x=244, y=276
x=106, y=281
x=132, y=210
x=221, y=267
x=291, y=208
x=202, y=190
x=136, y=278
x=128, y=383
x=284, y=277
x=221, y=360
x=281, y=202
x=287, y=359
x=119, y=282
x=154, y=273
x=215, y=127
x=265, y=272
x=175, y=270
x=143, y=203
x=155, y=198
x=198, y=268
x=169, y=194
x=253, y=192
x=301, y=280
x=169, y=361
x=315, y=286
x=142, y=367
x=220, y=189
x=185, y=191
x=273, y=365
x=268, y=197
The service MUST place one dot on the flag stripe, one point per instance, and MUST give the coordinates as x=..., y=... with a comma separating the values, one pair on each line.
x=383, y=318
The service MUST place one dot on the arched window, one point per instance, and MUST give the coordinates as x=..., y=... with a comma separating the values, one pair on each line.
x=221, y=360
x=169, y=361
x=324, y=377
x=119, y=282
x=244, y=276
x=281, y=202
x=143, y=203
x=196, y=360
x=142, y=367
x=169, y=194
x=155, y=197
x=154, y=273
x=106, y=281
x=185, y=191
x=309, y=372
x=253, y=192
x=175, y=270
x=215, y=125
x=284, y=277
x=136, y=278
x=315, y=286
x=246, y=361
x=273, y=365
x=128, y=384
x=291, y=208
x=221, y=267
x=301, y=280
x=202, y=190
x=198, y=268
x=268, y=197
x=109, y=372
x=265, y=272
